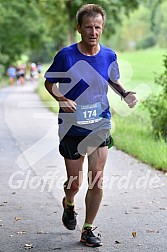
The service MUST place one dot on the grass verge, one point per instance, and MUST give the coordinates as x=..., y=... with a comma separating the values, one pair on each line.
x=49, y=101
x=134, y=136
x=4, y=81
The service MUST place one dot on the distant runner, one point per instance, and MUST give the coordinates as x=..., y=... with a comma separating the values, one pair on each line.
x=11, y=72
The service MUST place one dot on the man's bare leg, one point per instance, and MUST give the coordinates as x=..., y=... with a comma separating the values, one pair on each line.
x=71, y=187
x=96, y=163
x=74, y=178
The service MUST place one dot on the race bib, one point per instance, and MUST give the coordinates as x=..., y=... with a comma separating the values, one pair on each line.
x=87, y=114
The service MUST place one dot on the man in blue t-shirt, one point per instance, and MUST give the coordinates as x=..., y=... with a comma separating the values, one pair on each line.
x=83, y=72
x=11, y=72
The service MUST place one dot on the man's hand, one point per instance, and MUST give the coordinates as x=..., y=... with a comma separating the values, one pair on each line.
x=67, y=105
x=130, y=98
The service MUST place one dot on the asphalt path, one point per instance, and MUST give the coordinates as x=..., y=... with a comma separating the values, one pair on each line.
x=133, y=213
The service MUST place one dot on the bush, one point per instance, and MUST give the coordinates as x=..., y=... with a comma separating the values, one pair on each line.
x=2, y=71
x=157, y=105
x=146, y=42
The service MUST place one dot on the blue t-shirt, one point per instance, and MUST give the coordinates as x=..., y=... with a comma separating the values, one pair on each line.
x=84, y=79
x=11, y=72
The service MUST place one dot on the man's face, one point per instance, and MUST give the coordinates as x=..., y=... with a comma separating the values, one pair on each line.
x=91, y=30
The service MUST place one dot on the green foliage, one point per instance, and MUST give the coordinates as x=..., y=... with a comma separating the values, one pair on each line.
x=157, y=105
x=133, y=136
x=111, y=7
x=61, y=16
x=147, y=42
x=2, y=70
x=21, y=27
x=40, y=27
x=143, y=28
x=160, y=21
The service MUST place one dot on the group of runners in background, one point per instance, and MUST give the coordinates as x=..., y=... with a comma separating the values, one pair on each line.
x=22, y=72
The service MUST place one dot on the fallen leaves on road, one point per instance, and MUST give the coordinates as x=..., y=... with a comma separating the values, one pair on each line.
x=117, y=242
x=42, y=232
x=126, y=212
x=22, y=232
x=14, y=192
x=162, y=208
x=152, y=231
x=153, y=201
x=28, y=246
x=18, y=218
x=134, y=234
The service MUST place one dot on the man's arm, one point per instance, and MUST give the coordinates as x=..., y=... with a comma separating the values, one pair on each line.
x=66, y=105
x=128, y=96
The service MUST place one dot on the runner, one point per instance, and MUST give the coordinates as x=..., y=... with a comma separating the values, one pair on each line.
x=84, y=70
x=33, y=71
x=39, y=70
x=21, y=71
x=11, y=72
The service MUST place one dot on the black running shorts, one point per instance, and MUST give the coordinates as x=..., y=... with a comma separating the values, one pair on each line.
x=72, y=147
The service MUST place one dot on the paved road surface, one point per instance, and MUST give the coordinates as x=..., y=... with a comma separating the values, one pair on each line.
x=32, y=173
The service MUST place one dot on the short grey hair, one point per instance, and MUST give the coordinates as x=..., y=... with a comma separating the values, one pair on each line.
x=90, y=10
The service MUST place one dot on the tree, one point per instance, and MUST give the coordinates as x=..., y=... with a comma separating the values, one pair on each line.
x=63, y=13
x=148, y=29
x=160, y=24
x=111, y=7
x=21, y=29
x=41, y=25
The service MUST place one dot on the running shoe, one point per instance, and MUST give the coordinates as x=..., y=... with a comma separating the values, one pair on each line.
x=89, y=238
x=69, y=216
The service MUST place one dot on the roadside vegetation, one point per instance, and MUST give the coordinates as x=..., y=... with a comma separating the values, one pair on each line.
x=134, y=133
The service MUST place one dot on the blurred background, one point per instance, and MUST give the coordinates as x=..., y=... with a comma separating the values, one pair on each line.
x=32, y=31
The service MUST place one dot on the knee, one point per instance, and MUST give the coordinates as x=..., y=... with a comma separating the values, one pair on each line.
x=95, y=180
x=72, y=185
